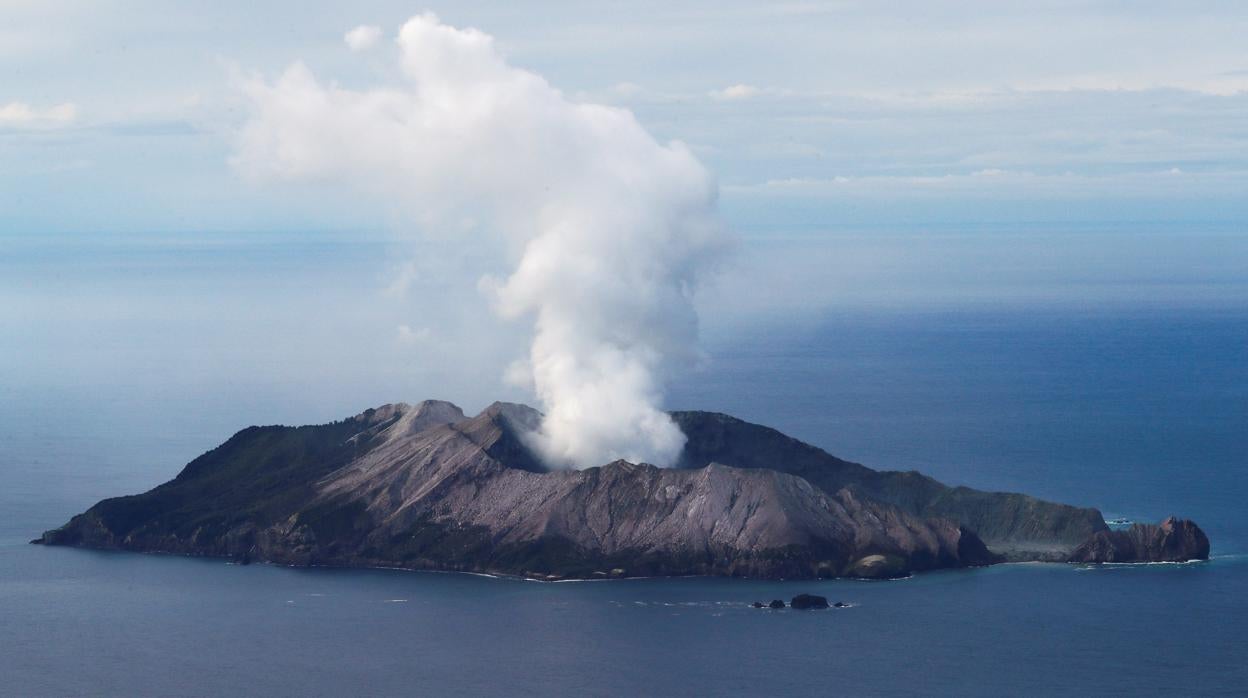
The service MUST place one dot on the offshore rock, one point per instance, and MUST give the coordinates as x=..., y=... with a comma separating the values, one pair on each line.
x=808, y=601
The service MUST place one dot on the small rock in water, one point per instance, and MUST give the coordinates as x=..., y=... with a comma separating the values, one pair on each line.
x=804, y=601
x=777, y=603
x=841, y=604
x=757, y=604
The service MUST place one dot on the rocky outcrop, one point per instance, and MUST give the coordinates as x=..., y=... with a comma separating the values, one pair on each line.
x=1173, y=540
x=879, y=567
x=425, y=487
x=808, y=601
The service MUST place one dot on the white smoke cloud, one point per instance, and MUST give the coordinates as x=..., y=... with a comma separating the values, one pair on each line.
x=610, y=230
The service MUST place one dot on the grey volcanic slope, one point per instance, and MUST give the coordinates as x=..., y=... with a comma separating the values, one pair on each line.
x=1015, y=525
x=424, y=487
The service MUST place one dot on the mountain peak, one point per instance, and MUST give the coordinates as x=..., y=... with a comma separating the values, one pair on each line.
x=503, y=431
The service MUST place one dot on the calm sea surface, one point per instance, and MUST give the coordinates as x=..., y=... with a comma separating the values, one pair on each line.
x=1140, y=413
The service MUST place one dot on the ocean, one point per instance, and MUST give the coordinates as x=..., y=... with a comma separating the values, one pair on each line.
x=120, y=368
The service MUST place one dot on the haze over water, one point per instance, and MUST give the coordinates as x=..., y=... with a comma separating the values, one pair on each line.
x=127, y=356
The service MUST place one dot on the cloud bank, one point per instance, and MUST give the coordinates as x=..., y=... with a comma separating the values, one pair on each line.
x=610, y=230
x=22, y=115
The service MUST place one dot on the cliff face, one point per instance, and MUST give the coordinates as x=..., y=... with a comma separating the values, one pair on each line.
x=424, y=487
x=1173, y=540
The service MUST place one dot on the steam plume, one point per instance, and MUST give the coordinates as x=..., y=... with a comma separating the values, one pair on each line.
x=611, y=230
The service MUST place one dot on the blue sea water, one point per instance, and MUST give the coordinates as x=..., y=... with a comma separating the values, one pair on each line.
x=1141, y=411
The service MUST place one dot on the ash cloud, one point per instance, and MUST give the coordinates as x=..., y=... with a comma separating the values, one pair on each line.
x=609, y=231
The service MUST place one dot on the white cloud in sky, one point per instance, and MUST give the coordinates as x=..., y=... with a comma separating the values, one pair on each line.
x=362, y=37
x=738, y=91
x=402, y=279
x=23, y=115
x=1002, y=184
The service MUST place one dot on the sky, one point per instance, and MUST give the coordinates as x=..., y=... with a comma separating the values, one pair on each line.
x=926, y=157
x=123, y=115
